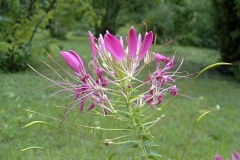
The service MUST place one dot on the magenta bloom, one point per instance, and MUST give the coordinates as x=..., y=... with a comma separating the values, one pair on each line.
x=74, y=62
x=114, y=47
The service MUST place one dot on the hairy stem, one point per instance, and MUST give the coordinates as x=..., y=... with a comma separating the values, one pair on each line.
x=141, y=147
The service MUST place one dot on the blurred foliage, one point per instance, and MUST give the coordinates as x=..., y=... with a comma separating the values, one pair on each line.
x=110, y=15
x=67, y=17
x=226, y=15
x=106, y=13
x=134, y=11
x=19, y=21
x=187, y=22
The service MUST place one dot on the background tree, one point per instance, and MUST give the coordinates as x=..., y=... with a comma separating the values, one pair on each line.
x=19, y=21
x=168, y=19
x=187, y=22
x=226, y=15
x=106, y=12
x=68, y=17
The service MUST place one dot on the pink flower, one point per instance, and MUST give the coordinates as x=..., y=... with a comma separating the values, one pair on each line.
x=74, y=62
x=81, y=90
x=114, y=47
x=169, y=64
x=160, y=58
x=174, y=90
x=101, y=80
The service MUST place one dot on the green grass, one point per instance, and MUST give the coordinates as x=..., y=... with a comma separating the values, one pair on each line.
x=217, y=132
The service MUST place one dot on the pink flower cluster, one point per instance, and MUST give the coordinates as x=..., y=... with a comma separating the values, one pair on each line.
x=119, y=66
x=88, y=87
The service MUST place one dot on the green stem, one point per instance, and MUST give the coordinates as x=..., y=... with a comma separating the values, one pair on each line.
x=139, y=141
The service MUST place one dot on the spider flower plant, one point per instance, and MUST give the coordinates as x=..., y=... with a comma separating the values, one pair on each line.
x=115, y=71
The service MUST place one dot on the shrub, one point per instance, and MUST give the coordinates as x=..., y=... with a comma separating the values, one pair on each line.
x=226, y=15
x=19, y=22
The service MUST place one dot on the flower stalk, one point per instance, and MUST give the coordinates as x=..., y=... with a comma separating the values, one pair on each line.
x=135, y=130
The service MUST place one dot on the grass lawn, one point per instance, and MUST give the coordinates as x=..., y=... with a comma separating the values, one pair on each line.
x=217, y=132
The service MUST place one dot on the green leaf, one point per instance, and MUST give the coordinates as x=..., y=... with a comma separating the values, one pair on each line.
x=147, y=138
x=153, y=157
x=153, y=154
x=35, y=122
x=137, y=154
x=126, y=144
x=142, y=133
x=149, y=143
x=132, y=99
x=134, y=145
x=112, y=156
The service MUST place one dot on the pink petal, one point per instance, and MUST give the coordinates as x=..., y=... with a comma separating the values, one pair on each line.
x=236, y=156
x=159, y=99
x=73, y=61
x=169, y=64
x=132, y=43
x=217, y=157
x=81, y=65
x=82, y=102
x=114, y=47
x=91, y=106
x=162, y=58
x=101, y=41
x=121, y=41
x=147, y=42
x=99, y=73
x=159, y=58
x=105, y=112
x=139, y=41
x=92, y=45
